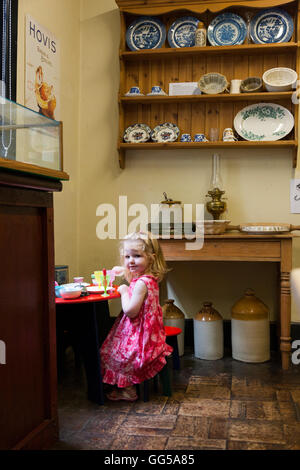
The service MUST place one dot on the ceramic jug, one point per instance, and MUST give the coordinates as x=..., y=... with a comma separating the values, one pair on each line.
x=250, y=329
x=173, y=316
x=208, y=333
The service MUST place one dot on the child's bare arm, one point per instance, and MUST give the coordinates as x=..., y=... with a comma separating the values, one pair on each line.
x=132, y=305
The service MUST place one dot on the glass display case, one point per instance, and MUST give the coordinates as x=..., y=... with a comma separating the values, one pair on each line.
x=30, y=142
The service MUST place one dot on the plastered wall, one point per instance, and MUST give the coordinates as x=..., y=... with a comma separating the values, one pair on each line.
x=256, y=182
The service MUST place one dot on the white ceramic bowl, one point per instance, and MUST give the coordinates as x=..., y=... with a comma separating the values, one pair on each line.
x=212, y=83
x=280, y=79
x=70, y=292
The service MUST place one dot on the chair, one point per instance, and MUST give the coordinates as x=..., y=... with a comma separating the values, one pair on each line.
x=171, y=338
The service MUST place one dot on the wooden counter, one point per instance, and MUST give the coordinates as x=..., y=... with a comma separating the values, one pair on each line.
x=28, y=384
x=244, y=247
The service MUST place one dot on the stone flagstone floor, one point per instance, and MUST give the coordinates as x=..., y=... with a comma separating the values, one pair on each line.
x=223, y=405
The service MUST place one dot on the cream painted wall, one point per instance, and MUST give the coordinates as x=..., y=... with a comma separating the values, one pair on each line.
x=256, y=182
x=62, y=18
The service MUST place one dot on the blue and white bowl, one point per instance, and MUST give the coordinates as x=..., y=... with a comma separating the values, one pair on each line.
x=186, y=138
x=200, y=138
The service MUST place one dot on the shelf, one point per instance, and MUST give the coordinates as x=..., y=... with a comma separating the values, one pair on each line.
x=203, y=145
x=164, y=53
x=199, y=113
x=33, y=169
x=263, y=96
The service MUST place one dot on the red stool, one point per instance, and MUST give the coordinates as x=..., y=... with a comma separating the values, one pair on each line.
x=171, y=338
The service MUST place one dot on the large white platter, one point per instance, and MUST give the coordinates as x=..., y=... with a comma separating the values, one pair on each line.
x=263, y=122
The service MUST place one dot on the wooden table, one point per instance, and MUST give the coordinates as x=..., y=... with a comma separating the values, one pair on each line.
x=244, y=247
x=82, y=317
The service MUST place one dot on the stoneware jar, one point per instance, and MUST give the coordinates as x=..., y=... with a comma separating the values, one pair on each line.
x=250, y=329
x=208, y=333
x=200, y=35
x=173, y=316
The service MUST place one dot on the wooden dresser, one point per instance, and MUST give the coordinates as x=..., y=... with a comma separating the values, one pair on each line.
x=28, y=384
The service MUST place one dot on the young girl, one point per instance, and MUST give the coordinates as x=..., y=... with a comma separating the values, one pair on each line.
x=135, y=348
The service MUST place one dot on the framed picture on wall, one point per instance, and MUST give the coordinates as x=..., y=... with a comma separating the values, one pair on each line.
x=42, y=70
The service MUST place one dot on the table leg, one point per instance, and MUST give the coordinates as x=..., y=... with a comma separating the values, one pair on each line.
x=172, y=341
x=81, y=321
x=285, y=319
x=89, y=346
x=285, y=302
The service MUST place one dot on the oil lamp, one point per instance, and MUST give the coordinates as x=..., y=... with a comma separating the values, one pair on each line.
x=216, y=206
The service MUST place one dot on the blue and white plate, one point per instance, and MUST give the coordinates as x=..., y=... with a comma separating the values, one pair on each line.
x=271, y=25
x=227, y=29
x=137, y=134
x=166, y=132
x=145, y=33
x=182, y=32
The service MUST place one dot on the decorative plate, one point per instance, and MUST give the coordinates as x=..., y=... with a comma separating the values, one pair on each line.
x=166, y=132
x=146, y=33
x=227, y=29
x=182, y=32
x=271, y=25
x=263, y=122
x=98, y=290
x=262, y=229
x=138, y=133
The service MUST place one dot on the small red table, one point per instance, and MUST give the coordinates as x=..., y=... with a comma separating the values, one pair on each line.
x=83, y=317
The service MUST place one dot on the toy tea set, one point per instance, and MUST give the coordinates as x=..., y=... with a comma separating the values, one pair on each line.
x=102, y=283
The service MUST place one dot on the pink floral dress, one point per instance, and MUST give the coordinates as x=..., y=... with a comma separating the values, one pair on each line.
x=135, y=349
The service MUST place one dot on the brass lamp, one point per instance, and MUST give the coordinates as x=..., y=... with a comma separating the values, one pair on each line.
x=217, y=205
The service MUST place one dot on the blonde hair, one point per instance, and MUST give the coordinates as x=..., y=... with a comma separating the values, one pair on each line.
x=157, y=264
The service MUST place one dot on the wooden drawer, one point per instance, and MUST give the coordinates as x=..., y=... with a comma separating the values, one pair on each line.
x=223, y=250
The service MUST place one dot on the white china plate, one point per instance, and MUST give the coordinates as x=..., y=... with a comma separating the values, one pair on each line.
x=227, y=29
x=166, y=132
x=261, y=229
x=271, y=25
x=138, y=133
x=146, y=32
x=98, y=290
x=182, y=32
x=263, y=122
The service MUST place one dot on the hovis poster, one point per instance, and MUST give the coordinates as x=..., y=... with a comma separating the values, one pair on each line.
x=42, y=69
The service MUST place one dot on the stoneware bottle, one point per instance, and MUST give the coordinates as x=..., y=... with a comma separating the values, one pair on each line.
x=250, y=329
x=173, y=316
x=208, y=333
x=200, y=35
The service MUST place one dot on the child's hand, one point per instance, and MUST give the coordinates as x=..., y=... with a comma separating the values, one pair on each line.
x=122, y=289
x=118, y=270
